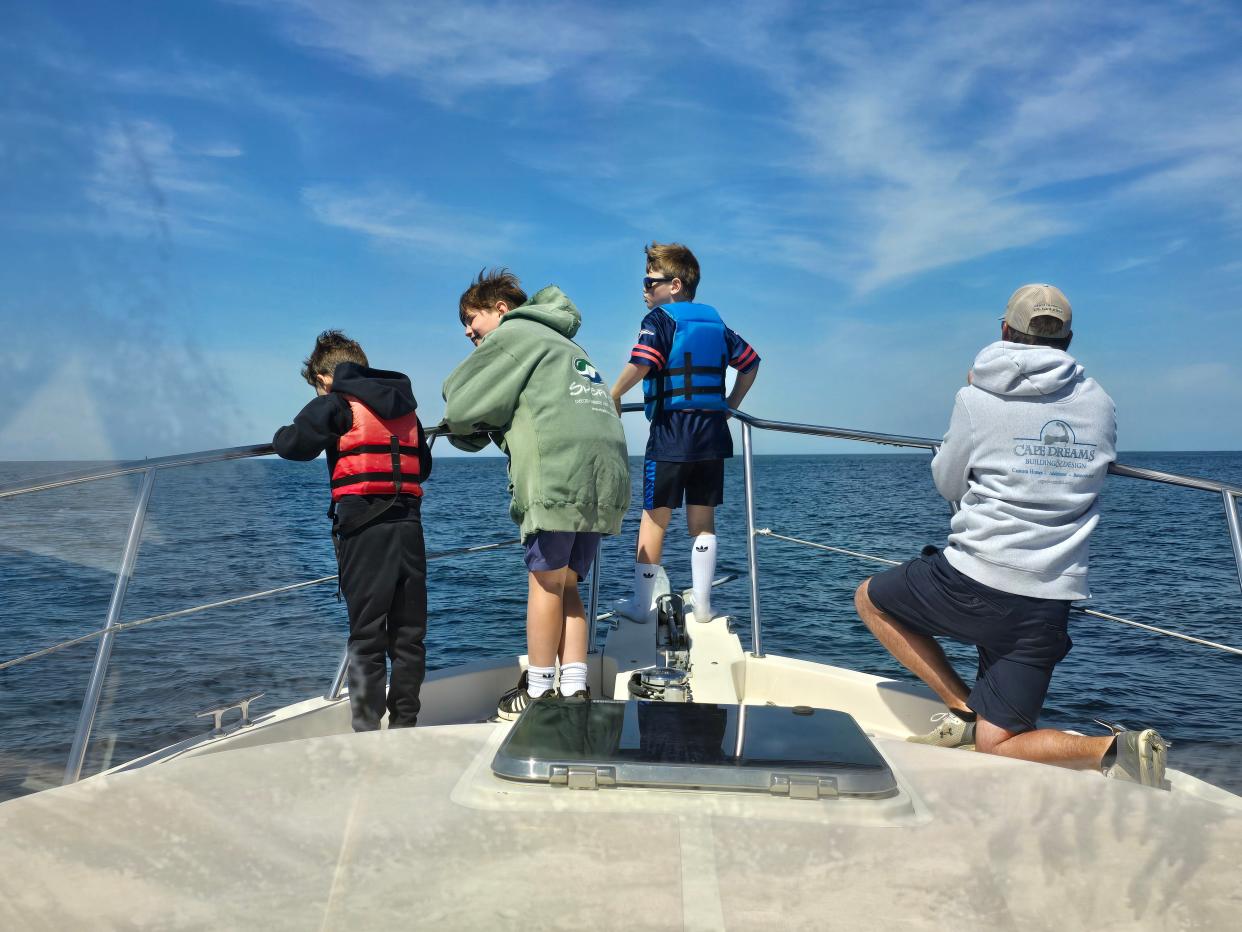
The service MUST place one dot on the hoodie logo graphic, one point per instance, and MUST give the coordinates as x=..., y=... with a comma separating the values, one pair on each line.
x=584, y=368
x=1057, y=432
x=1057, y=445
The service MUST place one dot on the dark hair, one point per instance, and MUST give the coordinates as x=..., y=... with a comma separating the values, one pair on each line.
x=332, y=348
x=490, y=286
x=1041, y=326
x=675, y=261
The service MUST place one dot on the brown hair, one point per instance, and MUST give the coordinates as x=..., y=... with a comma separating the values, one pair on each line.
x=1041, y=326
x=675, y=261
x=332, y=348
x=490, y=286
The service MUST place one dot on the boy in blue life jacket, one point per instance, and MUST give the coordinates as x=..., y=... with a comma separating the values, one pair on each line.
x=365, y=420
x=681, y=356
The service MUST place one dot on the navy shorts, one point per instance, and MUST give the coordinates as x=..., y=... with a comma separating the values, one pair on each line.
x=1020, y=639
x=665, y=484
x=555, y=550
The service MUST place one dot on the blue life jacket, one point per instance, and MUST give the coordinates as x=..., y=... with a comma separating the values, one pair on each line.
x=694, y=376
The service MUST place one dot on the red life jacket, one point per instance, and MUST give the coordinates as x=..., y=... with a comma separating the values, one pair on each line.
x=377, y=457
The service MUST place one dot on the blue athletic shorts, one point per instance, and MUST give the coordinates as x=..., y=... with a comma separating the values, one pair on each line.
x=1020, y=639
x=554, y=550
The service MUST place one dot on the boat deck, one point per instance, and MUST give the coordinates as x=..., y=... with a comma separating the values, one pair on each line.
x=410, y=825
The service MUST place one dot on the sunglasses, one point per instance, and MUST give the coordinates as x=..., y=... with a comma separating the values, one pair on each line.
x=649, y=283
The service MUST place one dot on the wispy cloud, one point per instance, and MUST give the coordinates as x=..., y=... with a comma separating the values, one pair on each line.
x=901, y=142
x=942, y=144
x=452, y=48
x=400, y=219
x=187, y=79
x=145, y=181
x=1134, y=262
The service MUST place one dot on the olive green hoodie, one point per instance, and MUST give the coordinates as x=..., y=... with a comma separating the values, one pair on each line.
x=535, y=389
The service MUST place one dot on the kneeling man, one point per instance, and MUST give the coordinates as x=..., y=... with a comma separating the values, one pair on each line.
x=1024, y=459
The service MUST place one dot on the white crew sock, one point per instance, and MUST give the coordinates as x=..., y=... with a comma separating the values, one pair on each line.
x=573, y=677
x=539, y=680
x=644, y=584
x=702, y=571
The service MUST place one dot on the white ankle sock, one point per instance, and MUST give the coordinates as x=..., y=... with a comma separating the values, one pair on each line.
x=702, y=570
x=539, y=680
x=573, y=677
x=644, y=584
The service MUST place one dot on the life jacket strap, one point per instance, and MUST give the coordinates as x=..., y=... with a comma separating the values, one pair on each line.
x=395, y=445
x=378, y=448
x=666, y=387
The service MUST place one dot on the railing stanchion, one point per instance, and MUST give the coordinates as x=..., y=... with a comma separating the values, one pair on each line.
x=756, y=640
x=593, y=606
x=1235, y=531
x=338, y=681
x=86, y=720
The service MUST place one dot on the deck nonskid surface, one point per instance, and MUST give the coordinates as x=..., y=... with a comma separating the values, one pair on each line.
x=333, y=831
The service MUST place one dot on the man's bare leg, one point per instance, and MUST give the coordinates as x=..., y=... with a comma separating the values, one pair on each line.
x=923, y=657
x=918, y=653
x=1043, y=745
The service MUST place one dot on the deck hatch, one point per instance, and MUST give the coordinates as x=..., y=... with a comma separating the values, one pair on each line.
x=800, y=753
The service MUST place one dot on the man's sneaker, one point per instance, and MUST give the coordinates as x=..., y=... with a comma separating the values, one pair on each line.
x=514, y=702
x=580, y=695
x=628, y=608
x=951, y=732
x=1140, y=758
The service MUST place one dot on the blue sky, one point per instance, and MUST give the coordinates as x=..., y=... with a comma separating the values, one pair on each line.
x=189, y=192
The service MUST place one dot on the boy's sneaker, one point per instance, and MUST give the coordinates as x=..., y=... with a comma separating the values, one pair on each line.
x=628, y=608
x=951, y=732
x=580, y=695
x=514, y=702
x=1140, y=758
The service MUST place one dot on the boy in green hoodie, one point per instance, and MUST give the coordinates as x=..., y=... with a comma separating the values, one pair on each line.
x=529, y=387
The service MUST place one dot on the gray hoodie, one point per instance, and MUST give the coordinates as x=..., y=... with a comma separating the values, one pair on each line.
x=1025, y=458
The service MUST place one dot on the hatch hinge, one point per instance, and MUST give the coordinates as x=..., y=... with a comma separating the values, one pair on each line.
x=803, y=786
x=581, y=777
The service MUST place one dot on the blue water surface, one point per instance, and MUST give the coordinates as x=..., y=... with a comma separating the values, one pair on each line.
x=1161, y=556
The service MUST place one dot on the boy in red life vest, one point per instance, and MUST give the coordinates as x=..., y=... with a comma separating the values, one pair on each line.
x=364, y=419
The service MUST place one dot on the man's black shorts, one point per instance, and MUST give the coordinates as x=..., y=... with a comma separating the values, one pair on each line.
x=1020, y=639
x=665, y=484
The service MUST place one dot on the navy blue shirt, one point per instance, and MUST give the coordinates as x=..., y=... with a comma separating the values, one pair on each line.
x=686, y=436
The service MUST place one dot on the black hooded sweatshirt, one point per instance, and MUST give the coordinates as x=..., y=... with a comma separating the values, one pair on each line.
x=320, y=425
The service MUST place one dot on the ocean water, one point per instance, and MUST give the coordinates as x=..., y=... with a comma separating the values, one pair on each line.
x=1161, y=556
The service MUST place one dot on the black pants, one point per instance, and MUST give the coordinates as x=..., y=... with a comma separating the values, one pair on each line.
x=384, y=580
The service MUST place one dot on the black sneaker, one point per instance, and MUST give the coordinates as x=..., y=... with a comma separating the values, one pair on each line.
x=514, y=702
x=581, y=694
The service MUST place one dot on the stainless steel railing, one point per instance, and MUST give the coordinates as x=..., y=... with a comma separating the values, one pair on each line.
x=1229, y=494
x=150, y=468
x=103, y=653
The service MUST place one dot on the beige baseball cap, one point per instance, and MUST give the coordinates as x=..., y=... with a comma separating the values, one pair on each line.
x=1038, y=301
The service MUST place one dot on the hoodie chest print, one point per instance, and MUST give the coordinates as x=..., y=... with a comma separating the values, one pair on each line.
x=586, y=385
